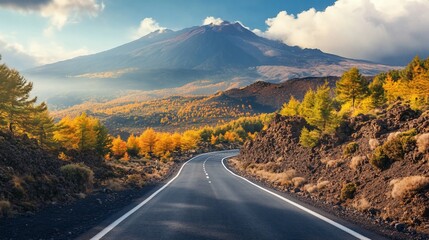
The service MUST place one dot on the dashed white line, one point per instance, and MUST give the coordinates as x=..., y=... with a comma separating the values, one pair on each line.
x=126, y=215
x=317, y=215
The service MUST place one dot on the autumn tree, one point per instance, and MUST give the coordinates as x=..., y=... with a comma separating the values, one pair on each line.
x=83, y=133
x=119, y=147
x=147, y=141
x=176, y=141
x=133, y=145
x=190, y=140
x=306, y=107
x=163, y=145
x=291, y=108
x=351, y=87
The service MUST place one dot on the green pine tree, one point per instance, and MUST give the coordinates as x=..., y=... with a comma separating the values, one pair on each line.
x=351, y=87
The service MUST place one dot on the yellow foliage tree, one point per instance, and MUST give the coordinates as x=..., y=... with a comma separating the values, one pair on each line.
x=190, y=140
x=291, y=108
x=147, y=141
x=176, y=139
x=119, y=147
x=163, y=144
x=133, y=145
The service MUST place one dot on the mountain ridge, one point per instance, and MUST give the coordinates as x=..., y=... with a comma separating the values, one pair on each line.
x=218, y=53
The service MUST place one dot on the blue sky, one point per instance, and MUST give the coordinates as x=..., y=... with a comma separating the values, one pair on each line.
x=43, y=31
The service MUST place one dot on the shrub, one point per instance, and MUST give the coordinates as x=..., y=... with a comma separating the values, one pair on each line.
x=348, y=191
x=393, y=149
x=373, y=143
x=309, y=138
x=5, y=208
x=357, y=161
x=361, y=204
x=423, y=142
x=298, y=181
x=350, y=148
x=334, y=163
x=135, y=180
x=310, y=188
x=407, y=186
x=379, y=159
x=80, y=175
x=396, y=148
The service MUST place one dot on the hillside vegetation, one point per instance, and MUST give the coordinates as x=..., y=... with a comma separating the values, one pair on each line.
x=126, y=115
x=363, y=151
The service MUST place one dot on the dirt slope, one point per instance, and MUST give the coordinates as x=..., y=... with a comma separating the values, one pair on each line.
x=338, y=172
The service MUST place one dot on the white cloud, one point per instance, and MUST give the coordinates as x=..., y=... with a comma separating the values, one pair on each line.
x=212, y=20
x=53, y=52
x=14, y=55
x=147, y=26
x=35, y=53
x=59, y=12
x=367, y=29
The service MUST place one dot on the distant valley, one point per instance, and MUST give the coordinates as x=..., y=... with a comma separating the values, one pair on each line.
x=131, y=114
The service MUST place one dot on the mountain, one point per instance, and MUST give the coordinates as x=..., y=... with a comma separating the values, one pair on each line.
x=218, y=53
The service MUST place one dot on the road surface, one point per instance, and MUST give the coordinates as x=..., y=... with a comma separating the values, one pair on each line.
x=206, y=201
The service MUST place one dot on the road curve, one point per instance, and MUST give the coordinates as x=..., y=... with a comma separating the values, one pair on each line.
x=206, y=201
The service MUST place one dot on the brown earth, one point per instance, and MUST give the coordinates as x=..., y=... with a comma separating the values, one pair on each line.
x=319, y=174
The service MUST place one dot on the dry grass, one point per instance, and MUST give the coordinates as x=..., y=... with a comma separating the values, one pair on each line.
x=393, y=136
x=407, y=186
x=115, y=184
x=361, y=204
x=310, y=188
x=298, y=181
x=135, y=180
x=334, y=163
x=422, y=142
x=321, y=184
x=373, y=143
x=357, y=161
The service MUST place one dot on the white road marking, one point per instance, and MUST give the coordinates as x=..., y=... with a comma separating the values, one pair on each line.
x=210, y=181
x=207, y=177
x=321, y=217
x=126, y=215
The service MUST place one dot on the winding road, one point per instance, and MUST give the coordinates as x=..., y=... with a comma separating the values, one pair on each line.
x=207, y=201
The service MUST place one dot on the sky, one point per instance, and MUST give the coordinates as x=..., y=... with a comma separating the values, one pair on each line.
x=36, y=32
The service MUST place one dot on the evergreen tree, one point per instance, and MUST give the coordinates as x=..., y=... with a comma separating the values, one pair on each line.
x=323, y=115
x=103, y=140
x=15, y=101
x=306, y=107
x=351, y=87
x=41, y=126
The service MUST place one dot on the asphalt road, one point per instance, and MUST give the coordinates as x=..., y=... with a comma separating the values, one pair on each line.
x=206, y=201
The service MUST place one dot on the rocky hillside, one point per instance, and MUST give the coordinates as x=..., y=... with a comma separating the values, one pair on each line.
x=373, y=166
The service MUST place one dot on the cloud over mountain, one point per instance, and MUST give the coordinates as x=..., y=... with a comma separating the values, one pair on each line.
x=147, y=26
x=386, y=31
x=212, y=20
